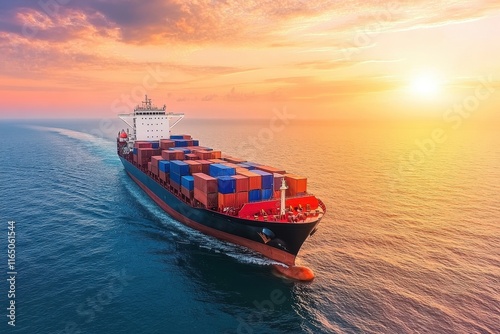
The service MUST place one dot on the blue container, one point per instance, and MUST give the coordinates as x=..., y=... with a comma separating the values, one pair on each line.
x=196, y=143
x=155, y=144
x=180, y=142
x=184, y=150
x=249, y=167
x=177, y=137
x=217, y=170
x=176, y=178
x=179, y=167
x=187, y=182
x=164, y=166
x=226, y=184
x=254, y=164
x=134, y=150
x=267, y=194
x=266, y=178
x=254, y=195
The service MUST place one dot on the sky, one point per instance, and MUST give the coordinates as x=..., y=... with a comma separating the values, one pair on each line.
x=247, y=59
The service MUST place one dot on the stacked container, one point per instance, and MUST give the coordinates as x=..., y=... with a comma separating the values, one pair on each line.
x=178, y=169
x=266, y=184
x=203, y=154
x=187, y=186
x=144, y=155
x=254, y=180
x=154, y=164
x=165, y=144
x=205, y=166
x=190, y=156
x=205, y=190
x=164, y=170
x=234, y=160
x=172, y=155
x=241, y=187
x=271, y=170
x=296, y=184
x=217, y=170
x=194, y=167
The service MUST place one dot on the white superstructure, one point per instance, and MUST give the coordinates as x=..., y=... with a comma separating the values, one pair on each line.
x=150, y=123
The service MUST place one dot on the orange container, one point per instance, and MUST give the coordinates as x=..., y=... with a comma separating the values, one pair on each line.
x=203, y=155
x=234, y=160
x=163, y=176
x=155, y=159
x=209, y=200
x=149, y=166
x=254, y=180
x=227, y=200
x=205, y=183
x=296, y=184
x=216, y=154
x=242, y=183
x=172, y=155
x=271, y=170
x=205, y=166
x=241, y=198
x=216, y=161
x=190, y=156
x=165, y=144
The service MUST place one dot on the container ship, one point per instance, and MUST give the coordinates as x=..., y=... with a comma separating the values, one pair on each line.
x=246, y=203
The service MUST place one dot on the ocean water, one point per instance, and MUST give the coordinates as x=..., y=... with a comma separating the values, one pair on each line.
x=410, y=242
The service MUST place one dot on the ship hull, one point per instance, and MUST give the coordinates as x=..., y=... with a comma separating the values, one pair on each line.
x=283, y=247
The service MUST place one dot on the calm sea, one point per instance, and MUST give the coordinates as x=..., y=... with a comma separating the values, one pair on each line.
x=410, y=242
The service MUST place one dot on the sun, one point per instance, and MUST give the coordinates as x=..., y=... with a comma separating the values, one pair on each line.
x=425, y=84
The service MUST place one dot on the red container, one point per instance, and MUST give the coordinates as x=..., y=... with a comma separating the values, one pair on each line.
x=241, y=198
x=172, y=155
x=187, y=193
x=194, y=167
x=190, y=156
x=271, y=170
x=296, y=184
x=277, y=194
x=205, y=183
x=216, y=154
x=165, y=144
x=149, y=166
x=163, y=176
x=242, y=183
x=155, y=159
x=234, y=160
x=135, y=158
x=209, y=200
x=254, y=180
x=143, y=144
x=203, y=155
x=154, y=169
x=144, y=155
x=227, y=200
x=205, y=166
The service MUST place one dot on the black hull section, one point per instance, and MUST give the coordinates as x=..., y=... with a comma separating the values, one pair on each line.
x=284, y=247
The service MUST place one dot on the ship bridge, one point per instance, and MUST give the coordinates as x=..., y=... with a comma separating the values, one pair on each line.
x=149, y=122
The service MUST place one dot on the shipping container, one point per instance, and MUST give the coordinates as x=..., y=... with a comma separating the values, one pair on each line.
x=227, y=200
x=277, y=180
x=165, y=144
x=179, y=167
x=254, y=180
x=241, y=198
x=203, y=155
x=221, y=170
x=226, y=184
x=155, y=159
x=164, y=166
x=143, y=144
x=163, y=176
x=186, y=192
x=209, y=200
x=266, y=179
x=296, y=184
x=175, y=178
x=241, y=183
x=234, y=160
x=250, y=163
x=134, y=150
x=254, y=195
x=144, y=155
x=205, y=183
x=149, y=166
x=135, y=158
x=172, y=155
x=244, y=165
x=205, y=166
x=196, y=142
x=267, y=194
x=184, y=150
x=190, y=156
x=216, y=154
x=194, y=167
x=271, y=170
x=187, y=181
x=180, y=137
x=155, y=144
x=154, y=169
x=217, y=161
